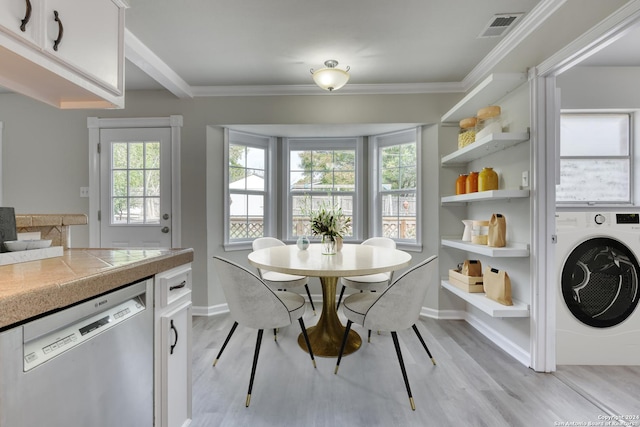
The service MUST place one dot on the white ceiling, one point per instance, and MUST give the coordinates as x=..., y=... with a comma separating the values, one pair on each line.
x=246, y=47
x=276, y=42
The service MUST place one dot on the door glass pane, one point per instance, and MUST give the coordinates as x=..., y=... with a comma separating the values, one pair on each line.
x=119, y=208
x=136, y=211
x=136, y=155
x=119, y=184
x=119, y=155
x=152, y=155
x=152, y=210
x=135, y=183
x=152, y=183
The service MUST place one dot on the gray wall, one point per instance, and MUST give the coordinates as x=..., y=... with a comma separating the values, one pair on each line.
x=45, y=157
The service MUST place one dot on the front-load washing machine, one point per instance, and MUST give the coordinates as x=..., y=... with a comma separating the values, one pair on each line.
x=597, y=312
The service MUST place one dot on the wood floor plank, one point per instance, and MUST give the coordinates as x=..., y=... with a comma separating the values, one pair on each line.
x=474, y=383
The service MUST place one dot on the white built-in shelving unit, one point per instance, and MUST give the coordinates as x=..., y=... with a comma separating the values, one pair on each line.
x=492, y=89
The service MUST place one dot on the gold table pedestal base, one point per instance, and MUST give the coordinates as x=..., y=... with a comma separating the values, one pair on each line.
x=326, y=335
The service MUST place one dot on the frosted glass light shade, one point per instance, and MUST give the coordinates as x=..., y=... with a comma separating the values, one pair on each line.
x=330, y=78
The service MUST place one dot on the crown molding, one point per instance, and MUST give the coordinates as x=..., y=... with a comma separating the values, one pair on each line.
x=529, y=23
x=353, y=89
x=150, y=63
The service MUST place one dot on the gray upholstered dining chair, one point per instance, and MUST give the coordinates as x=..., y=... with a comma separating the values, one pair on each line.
x=371, y=282
x=395, y=309
x=280, y=281
x=254, y=305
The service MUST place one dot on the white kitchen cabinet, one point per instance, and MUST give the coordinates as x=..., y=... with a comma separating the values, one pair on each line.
x=172, y=394
x=17, y=18
x=70, y=54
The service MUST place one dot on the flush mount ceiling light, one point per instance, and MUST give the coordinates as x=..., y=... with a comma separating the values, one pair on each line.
x=330, y=78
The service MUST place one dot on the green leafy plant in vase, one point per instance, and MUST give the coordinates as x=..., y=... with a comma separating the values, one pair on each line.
x=329, y=222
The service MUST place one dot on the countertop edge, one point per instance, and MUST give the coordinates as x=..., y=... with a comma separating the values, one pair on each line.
x=18, y=308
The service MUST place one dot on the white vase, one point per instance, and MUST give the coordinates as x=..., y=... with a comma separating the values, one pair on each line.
x=303, y=243
x=466, y=234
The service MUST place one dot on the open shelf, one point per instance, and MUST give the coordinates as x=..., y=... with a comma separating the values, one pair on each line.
x=486, y=93
x=480, y=196
x=492, y=308
x=513, y=250
x=490, y=144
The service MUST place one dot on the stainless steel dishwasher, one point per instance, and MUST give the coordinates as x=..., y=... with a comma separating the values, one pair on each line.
x=88, y=365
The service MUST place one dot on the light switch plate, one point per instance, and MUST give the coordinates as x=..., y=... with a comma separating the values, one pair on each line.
x=525, y=179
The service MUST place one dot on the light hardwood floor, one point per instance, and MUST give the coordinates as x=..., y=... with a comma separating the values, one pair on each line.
x=474, y=383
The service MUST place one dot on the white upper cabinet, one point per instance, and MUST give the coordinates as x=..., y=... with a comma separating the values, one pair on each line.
x=18, y=18
x=89, y=40
x=67, y=53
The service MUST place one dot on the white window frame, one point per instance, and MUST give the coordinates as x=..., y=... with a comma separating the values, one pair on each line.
x=630, y=157
x=376, y=143
x=268, y=143
x=328, y=143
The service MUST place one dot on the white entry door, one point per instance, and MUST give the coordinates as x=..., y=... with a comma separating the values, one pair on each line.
x=135, y=187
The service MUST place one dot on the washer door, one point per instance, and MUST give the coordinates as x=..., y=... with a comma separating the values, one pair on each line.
x=600, y=282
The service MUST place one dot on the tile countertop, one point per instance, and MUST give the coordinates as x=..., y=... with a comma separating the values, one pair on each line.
x=33, y=288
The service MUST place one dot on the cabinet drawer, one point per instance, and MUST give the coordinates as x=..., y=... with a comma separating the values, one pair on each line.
x=172, y=285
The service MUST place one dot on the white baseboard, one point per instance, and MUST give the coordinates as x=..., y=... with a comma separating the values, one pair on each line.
x=212, y=310
x=500, y=340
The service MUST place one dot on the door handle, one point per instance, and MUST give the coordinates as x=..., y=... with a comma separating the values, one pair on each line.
x=165, y=229
x=175, y=343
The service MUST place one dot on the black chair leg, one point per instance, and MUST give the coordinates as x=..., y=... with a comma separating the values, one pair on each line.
x=306, y=339
x=343, y=345
x=415, y=329
x=340, y=297
x=275, y=334
x=313, y=307
x=404, y=371
x=369, y=336
x=233, y=329
x=255, y=363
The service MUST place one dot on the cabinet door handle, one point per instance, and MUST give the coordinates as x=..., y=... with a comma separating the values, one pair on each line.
x=180, y=286
x=27, y=17
x=175, y=343
x=57, y=41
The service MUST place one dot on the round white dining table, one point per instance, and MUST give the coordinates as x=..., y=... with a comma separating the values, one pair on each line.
x=351, y=260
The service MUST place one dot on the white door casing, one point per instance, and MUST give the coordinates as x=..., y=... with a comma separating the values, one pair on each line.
x=100, y=189
x=545, y=108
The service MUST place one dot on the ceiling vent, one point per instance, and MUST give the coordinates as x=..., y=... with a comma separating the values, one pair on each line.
x=500, y=24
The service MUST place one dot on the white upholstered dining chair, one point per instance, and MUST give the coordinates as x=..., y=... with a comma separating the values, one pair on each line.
x=395, y=309
x=371, y=282
x=280, y=281
x=254, y=305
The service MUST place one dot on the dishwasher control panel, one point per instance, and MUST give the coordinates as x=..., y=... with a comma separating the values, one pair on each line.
x=46, y=347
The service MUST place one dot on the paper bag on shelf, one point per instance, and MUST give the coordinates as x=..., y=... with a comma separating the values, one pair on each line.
x=471, y=267
x=497, y=231
x=497, y=286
